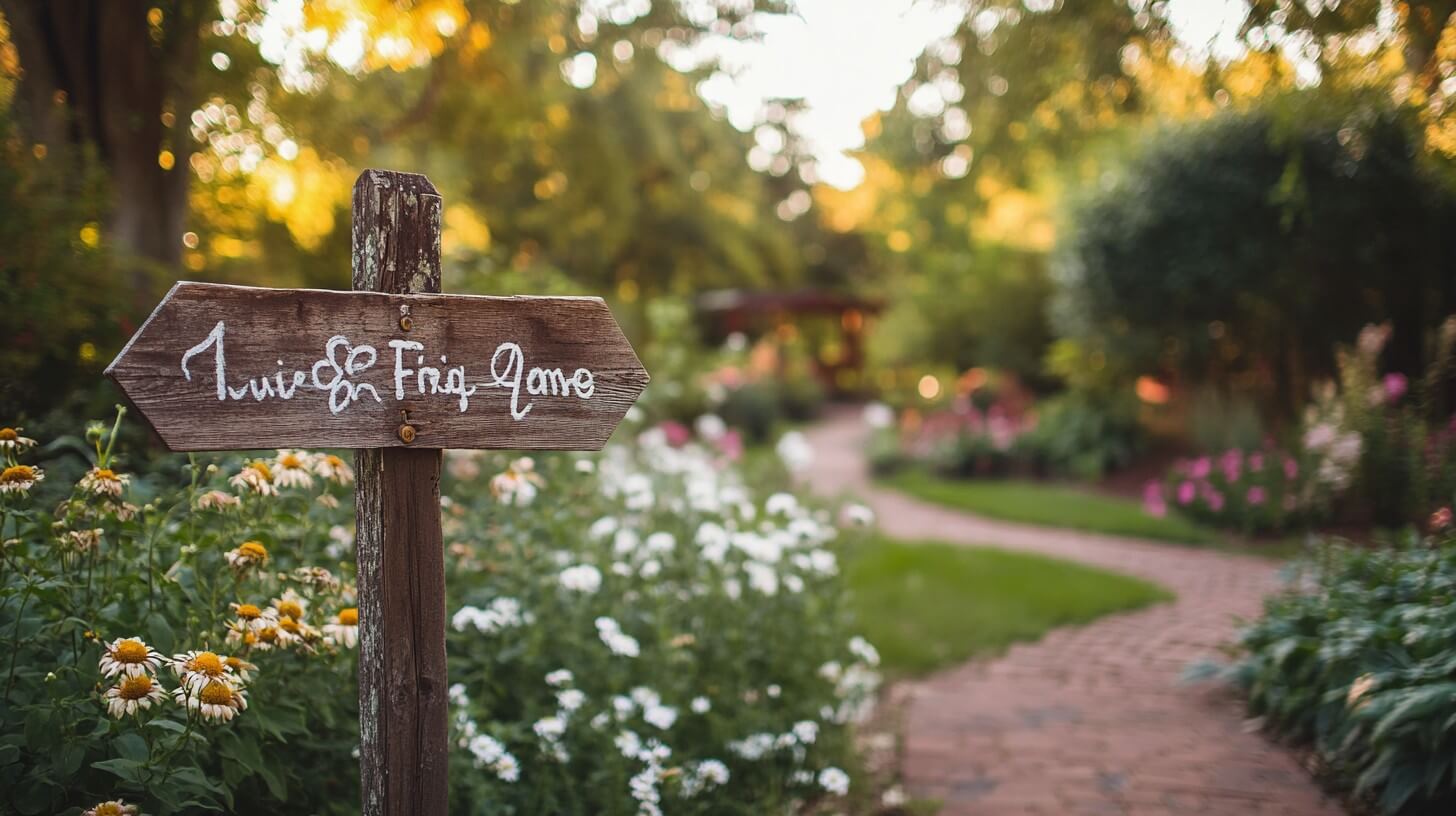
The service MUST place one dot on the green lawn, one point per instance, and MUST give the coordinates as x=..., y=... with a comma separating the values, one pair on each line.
x=926, y=605
x=1049, y=504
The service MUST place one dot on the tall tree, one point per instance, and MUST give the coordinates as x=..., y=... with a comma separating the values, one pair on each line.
x=110, y=78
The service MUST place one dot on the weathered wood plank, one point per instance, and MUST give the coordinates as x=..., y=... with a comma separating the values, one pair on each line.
x=403, y=716
x=330, y=353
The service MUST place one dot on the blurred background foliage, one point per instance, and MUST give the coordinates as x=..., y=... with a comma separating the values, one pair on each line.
x=1064, y=192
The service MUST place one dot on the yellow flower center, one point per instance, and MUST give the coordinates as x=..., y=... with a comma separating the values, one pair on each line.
x=249, y=611
x=290, y=461
x=18, y=473
x=207, y=663
x=290, y=609
x=108, y=809
x=268, y=634
x=349, y=616
x=262, y=469
x=8, y=435
x=216, y=693
x=333, y=460
x=135, y=688
x=254, y=550
x=105, y=475
x=130, y=651
x=288, y=624
x=235, y=663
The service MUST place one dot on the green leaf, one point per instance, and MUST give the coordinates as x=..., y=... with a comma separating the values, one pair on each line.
x=1415, y=705
x=67, y=758
x=159, y=631
x=127, y=769
x=131, y=746
x=277, y=786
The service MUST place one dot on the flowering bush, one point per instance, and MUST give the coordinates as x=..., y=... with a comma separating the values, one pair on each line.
x=639, y=632
x=1253, y=491
x=648, y=634
x=1368, y=450
x=1382, y=445
x=1069, y=435
x=190, y=648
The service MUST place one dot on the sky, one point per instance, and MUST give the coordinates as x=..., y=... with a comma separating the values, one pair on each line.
x=846, y=59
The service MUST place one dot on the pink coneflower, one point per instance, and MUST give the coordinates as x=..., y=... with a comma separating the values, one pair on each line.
x=1395, y=385
x=1256, y=496
x=1153, y=502
x=677, y=433
x=1291, y=468
x=1213, y=499
x=730, y=444
x=1186, y=492
x=1200, y=468
x=1232, y=464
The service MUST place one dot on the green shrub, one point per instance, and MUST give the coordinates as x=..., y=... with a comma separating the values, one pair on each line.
x=1085, y=438
x=1233, y=248
x=642, y=629
x=1358, y=660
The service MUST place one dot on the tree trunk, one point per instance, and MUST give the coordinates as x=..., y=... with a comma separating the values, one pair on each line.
x=97, y=77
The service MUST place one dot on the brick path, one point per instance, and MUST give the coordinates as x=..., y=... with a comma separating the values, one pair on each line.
x=1090, y=719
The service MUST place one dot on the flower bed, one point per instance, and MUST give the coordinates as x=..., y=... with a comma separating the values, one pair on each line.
x=1360, y=664
x=643, y=631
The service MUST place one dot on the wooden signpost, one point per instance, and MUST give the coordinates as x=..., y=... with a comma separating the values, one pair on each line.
x=397, y=371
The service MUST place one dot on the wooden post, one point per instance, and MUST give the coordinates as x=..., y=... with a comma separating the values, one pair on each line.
x=208, y=372
x=403, y=719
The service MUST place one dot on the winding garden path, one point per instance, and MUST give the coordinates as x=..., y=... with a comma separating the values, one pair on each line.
x=1090, y=719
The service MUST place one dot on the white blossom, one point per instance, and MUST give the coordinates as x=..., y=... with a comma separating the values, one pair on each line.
x=834, y=781
x=581, y=578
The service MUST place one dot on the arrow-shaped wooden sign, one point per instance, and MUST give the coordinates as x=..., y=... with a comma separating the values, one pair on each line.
x=395, y=370
x=223, y=367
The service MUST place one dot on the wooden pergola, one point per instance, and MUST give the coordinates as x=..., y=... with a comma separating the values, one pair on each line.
x=759, y=313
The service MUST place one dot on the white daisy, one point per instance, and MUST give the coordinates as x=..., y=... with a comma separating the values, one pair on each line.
x=19, y=478
x=134, y=693
x=293, y=468
x=216, y=701
x=130, y=657
x=218, y=500
x=12, y=441
x=333, y=468
x=344, y=630
x=257, y=477
x=100, y=481
x=197, y=668
x=247, y=554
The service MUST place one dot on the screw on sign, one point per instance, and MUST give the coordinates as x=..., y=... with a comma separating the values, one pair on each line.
x=397, y=371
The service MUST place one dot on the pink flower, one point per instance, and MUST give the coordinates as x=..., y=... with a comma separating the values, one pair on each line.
x=1256, y=462
x=1291, y=468
x=1214, y=499
x=1186, y=492
x=1441, y=519
x=1153, y=503
x=1200, y=467
x=1395, y=385
x=730, y=444
x=1256, y=496
x=1232, y=463
x=676, y=432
